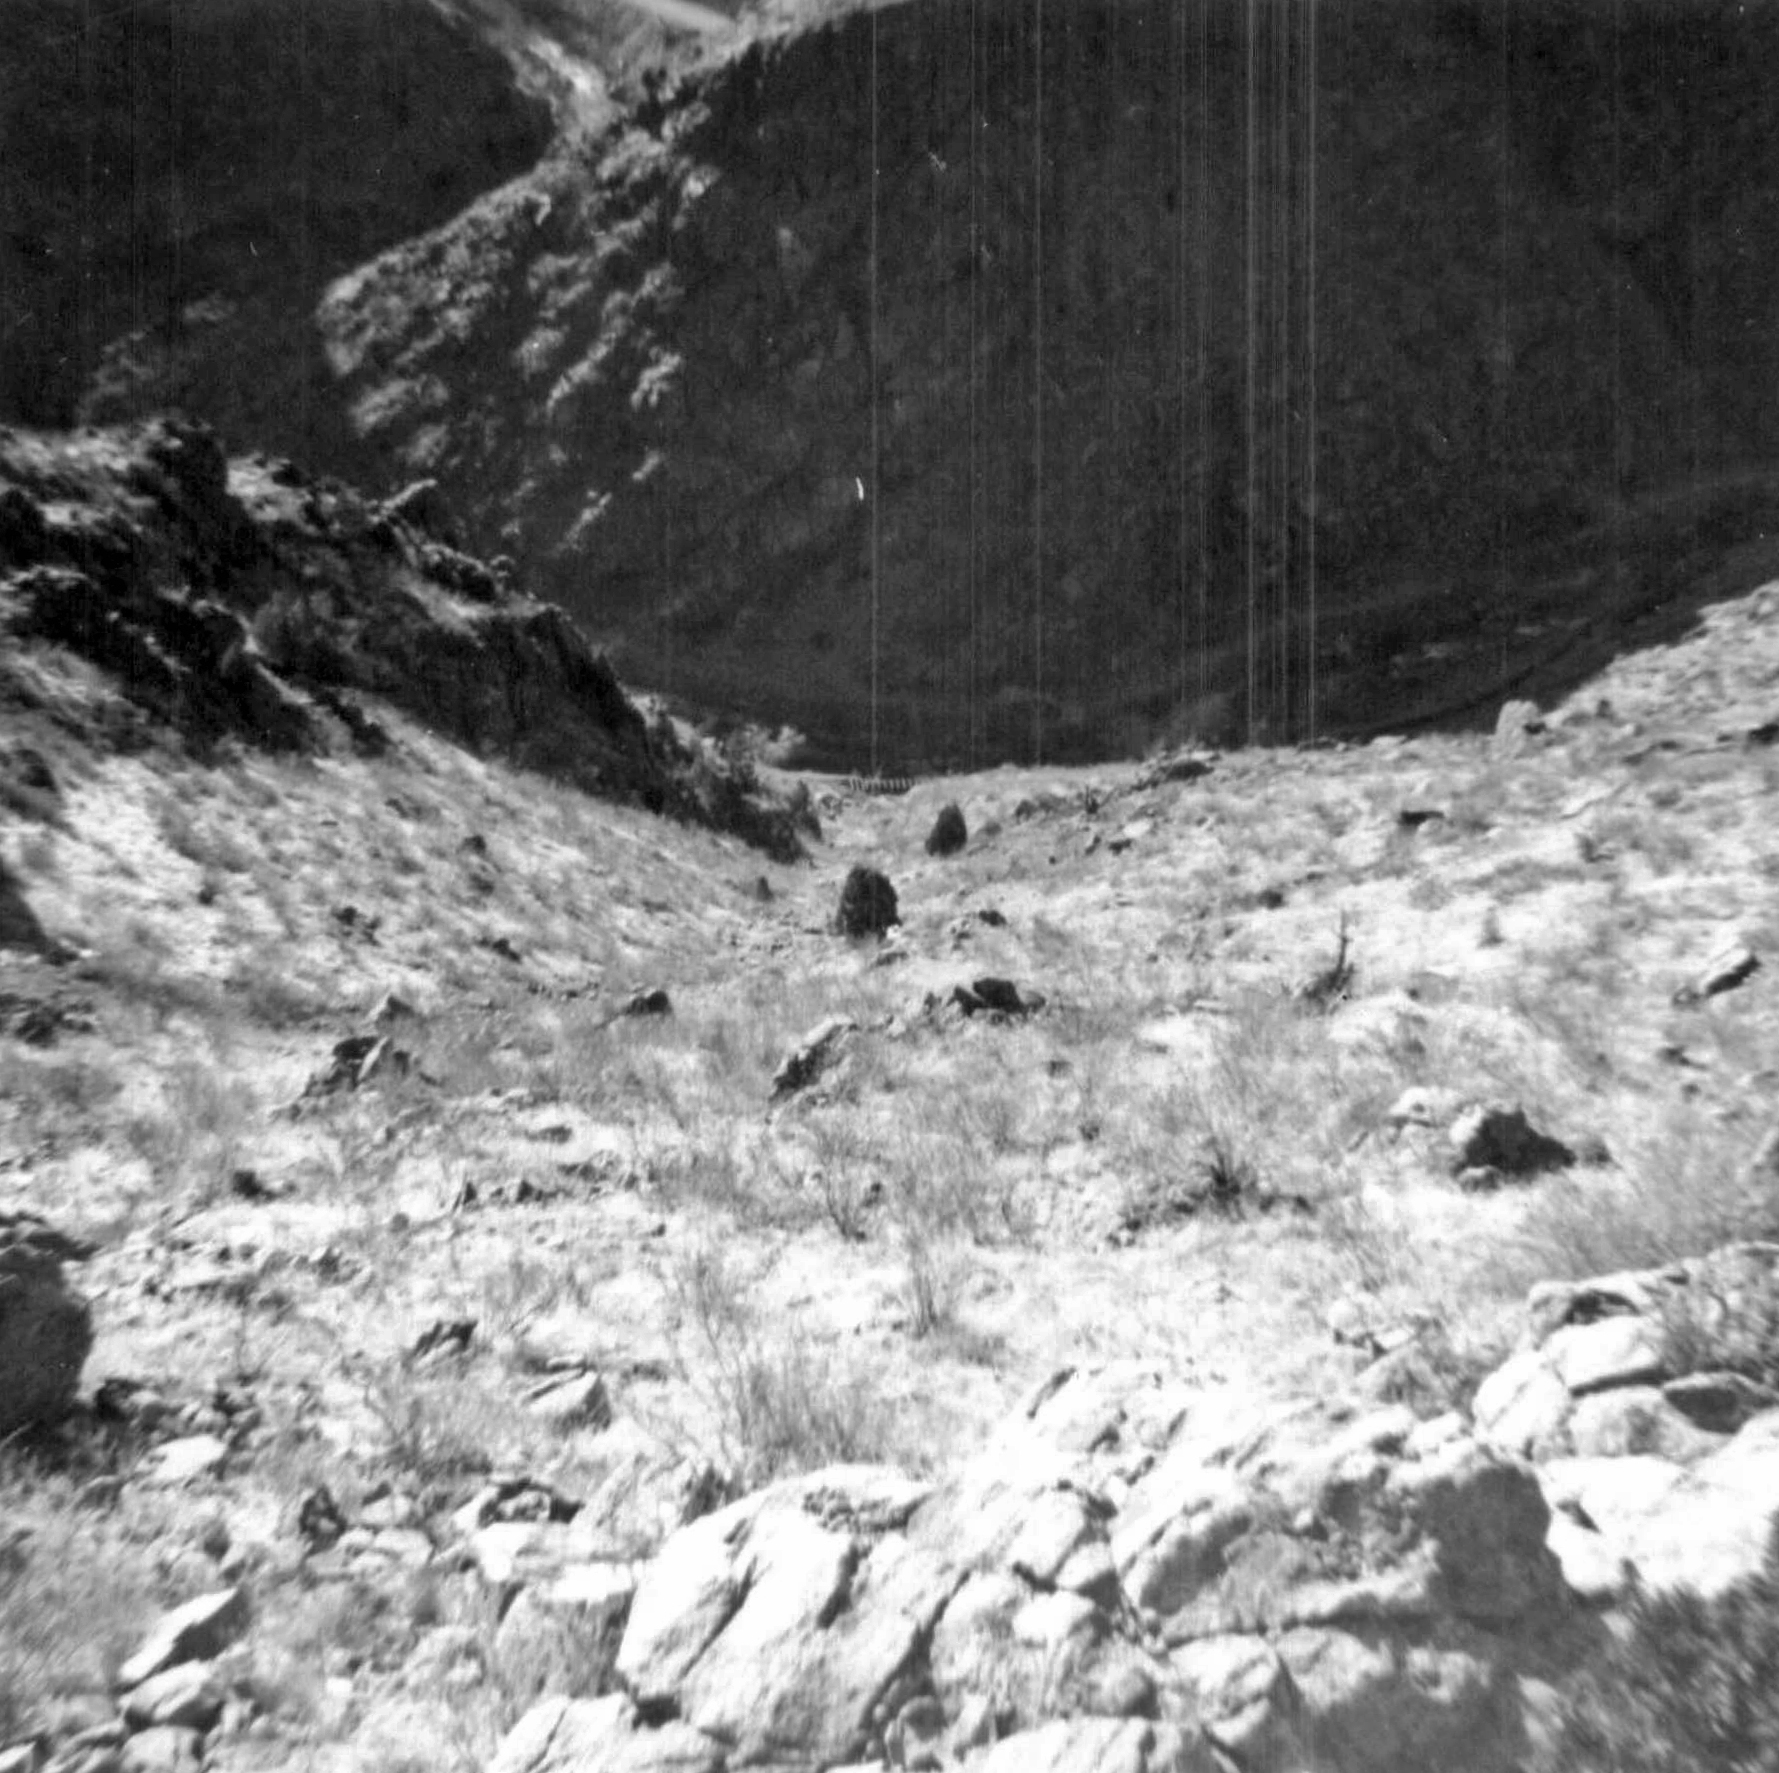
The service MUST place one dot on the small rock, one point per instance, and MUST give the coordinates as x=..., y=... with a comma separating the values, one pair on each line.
x=1424, y=1106
x=998, y=995
x=650, y=1001
x=1500, y=1140
x=189, y=1696
x=390, y=1008
x=1048, y=1621
x=183, y=1460
x=1176, y=766
x=1517, y=724
x=949, y=833
x=21, y=1757
x=1723, y=972
x=168, y=1748
x=577, y=1401
x=319, y=1522
x=195, y=1632
x=811, y=1056
x=1720, y=1403
x=867, y=903
x=444, y=1338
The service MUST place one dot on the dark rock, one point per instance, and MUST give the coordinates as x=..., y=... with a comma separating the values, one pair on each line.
x=650, y=1001
x=319, y=1522
x=1492, y=1142
x=423, y=506
x=444, y=1339
x=45, y=1330
x=815, y=1053
x=1718, y=1401
x=949, y=833
x=194, y=1632
x=356, y=1060
x=867, y=903
x=1723, y=972
x=999, y=995
x=19, y=927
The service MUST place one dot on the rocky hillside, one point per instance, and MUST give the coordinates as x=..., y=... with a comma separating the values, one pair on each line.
x=1266, y=1265
x=250, y=602
x=1161, y=372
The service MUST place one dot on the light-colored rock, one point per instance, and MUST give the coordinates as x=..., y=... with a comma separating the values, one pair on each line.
x=1048, y=1621
x=167, y=1748
x=601, y=1736
x=1613, y=1351
x=1244, y=1698
x=577, y=1401
x=195, y=1632
x=183, y=1461
x=506, y=1552
x=1522, y=1406
x=776, y=1632
x=189, y=1695
x=1593, y=1571
x=1099, y=1745
x=813, y=1054
x=1425, y=1105
x=1058, y=1525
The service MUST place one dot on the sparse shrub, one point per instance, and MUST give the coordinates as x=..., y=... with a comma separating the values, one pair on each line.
x=1693, y=1683
x=74, y=1596
x=933, y=1282
x=780, y=1403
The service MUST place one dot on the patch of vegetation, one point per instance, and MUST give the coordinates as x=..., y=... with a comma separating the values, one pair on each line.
x=1693, y=1684
x=780, y=1402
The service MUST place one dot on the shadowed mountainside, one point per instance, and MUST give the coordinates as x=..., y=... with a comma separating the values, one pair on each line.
x=1175, y=375
x=1038, y=406
x=181, y=180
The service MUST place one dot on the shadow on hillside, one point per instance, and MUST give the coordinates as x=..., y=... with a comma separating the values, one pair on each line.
x=181, y=181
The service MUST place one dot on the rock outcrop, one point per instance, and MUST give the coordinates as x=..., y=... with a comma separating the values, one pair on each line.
x=1648, y=1399
x=1135, y=1573
x=251, y=601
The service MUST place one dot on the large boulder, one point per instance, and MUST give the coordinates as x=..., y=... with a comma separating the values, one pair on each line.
x=1646, y=1399
x=46, y=1331
x=1135, y=1573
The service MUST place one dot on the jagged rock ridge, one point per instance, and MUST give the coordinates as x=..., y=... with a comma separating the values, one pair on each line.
x=252, y=601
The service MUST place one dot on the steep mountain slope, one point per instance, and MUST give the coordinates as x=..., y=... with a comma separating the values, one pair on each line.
x=180, y=180
x=1170, y=367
